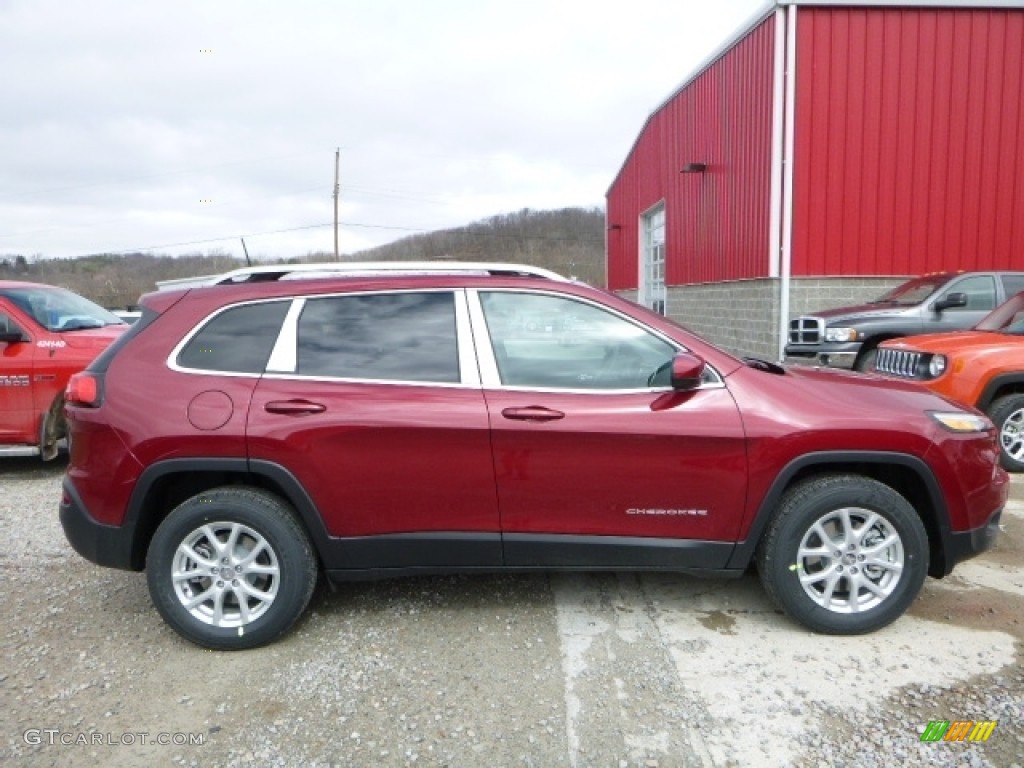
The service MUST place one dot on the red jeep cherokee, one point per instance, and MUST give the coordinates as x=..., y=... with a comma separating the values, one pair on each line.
x=244, y=436
x=46, y=334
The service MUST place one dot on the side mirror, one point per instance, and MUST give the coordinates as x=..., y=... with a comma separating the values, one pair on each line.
x=687, y=371
x=950, y=300
x=12, y=337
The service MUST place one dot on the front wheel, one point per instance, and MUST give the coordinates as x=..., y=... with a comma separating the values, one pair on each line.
x=231, y=568
x=844, y=554
x=1007, y=413
x=865, y=362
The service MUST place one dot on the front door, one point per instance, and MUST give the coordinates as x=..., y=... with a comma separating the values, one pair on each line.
x=596, y=460
x=17, y=359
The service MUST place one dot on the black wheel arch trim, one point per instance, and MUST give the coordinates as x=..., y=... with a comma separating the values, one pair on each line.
x=988, y=395
x=744, y=552
x=454, y=549
x=293, y=493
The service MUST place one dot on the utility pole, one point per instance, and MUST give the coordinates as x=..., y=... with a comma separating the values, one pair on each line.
x=337, y=153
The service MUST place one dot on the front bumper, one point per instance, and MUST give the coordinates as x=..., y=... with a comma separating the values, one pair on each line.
x=829, y=355
x=107, y=545
x=963, y=545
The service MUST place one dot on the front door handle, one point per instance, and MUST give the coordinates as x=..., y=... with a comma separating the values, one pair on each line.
x=532, y=413
x=294, y=407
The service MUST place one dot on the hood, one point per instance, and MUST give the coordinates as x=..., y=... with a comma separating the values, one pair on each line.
x=859, y=311
x=851, y=382
x=850, y=410
x=958, y=341
x=92, y=338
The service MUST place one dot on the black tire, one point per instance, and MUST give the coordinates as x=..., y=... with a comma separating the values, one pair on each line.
x=865, y=361
x=255, y=534
x=1007, y=413
x=815, y=501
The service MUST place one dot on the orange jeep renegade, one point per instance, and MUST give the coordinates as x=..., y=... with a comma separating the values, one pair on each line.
x=983, y=367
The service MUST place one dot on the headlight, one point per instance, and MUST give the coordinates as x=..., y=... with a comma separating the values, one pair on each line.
x=961, y=421
x=937, y=366
x=840, y=334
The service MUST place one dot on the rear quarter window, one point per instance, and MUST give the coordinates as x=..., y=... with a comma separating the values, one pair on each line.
x=238, y=340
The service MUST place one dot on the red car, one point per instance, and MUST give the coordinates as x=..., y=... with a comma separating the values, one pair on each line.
x=46, y=335
x=408, y=419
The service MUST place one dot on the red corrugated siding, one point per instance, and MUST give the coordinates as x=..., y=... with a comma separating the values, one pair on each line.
x=909, y=127
x=717, y=223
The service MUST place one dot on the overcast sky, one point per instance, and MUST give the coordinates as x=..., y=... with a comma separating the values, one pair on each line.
x=180, y=126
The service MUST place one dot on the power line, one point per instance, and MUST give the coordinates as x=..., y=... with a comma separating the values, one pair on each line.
x=418, y=230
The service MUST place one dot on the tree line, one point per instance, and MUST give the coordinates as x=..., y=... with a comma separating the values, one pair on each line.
x=569, y=241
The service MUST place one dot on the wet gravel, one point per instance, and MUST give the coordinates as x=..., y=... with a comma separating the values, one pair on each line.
x=530, y=670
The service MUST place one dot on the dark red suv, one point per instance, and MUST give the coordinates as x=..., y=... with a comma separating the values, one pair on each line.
x=244, y=436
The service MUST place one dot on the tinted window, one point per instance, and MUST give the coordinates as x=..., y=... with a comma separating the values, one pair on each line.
x=386, y=336
x=238, y=340
x=552, y=342
x=1013, y=284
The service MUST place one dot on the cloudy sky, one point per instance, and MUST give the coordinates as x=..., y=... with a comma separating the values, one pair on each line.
x=180, y=126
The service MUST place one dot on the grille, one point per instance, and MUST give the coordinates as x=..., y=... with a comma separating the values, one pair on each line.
x=898, y=362
x=806, y=330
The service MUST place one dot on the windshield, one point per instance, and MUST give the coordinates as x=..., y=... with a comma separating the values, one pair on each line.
x=1008, y=317
x=59, y=310
x=912, y=292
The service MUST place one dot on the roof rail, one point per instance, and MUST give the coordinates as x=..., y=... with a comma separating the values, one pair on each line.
x=273, y=272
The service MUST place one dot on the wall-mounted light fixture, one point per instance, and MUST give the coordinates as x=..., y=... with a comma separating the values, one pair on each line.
x=694, y=168
x=614, y=226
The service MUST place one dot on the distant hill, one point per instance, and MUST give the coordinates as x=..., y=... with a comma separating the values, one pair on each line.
x=569, y=241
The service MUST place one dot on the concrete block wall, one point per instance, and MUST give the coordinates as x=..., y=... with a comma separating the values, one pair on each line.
x=742, y=316
x=808, y=295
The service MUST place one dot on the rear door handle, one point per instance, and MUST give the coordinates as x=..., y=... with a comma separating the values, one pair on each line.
x=532, y=413
x=294, y=407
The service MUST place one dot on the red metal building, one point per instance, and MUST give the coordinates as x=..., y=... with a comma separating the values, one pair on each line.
x=829, y=148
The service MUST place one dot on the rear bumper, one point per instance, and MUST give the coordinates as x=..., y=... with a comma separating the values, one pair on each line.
x=107, y=545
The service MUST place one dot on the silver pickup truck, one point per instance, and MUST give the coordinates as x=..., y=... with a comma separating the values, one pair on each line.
x=848, y=337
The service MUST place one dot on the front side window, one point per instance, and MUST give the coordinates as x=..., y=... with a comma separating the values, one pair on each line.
x=238, y=340
x=980, y=290
x=384, y=337
x=544, y=342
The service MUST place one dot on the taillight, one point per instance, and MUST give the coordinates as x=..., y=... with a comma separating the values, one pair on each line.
x=83, y=389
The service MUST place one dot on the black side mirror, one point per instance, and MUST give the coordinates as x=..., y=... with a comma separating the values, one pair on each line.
x=687, y=371
x=12, y=337
x=950, y=300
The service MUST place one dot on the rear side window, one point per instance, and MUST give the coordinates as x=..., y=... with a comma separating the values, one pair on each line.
x=385, y=337
x=238, y=340
x=1013, y=284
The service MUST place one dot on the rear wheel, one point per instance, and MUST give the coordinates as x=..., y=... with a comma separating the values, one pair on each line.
x=844, y=554
x=231, y=568
x=1007, y=413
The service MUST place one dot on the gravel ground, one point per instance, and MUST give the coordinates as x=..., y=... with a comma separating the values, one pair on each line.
x=561, y=670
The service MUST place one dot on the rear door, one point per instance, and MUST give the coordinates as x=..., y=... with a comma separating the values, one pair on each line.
x=18, y=424
x=597, y=461
x=373, y=401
